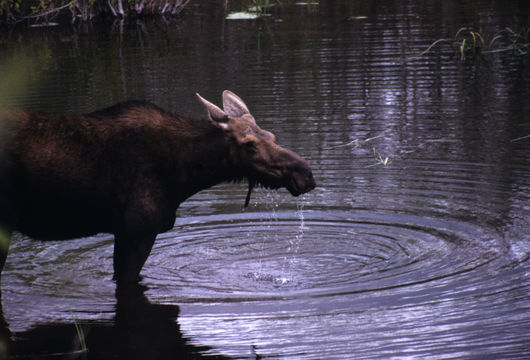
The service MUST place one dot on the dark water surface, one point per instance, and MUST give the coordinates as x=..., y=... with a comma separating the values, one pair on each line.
x=415, y=244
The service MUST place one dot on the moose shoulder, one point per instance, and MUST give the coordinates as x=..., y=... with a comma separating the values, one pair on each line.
x=125, y=169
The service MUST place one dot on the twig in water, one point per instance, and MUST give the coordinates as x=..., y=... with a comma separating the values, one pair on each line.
x=358, y=142
x=380, y=160
x=520, y=138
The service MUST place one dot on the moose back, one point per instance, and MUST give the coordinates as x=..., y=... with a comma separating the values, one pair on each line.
x=125, y=169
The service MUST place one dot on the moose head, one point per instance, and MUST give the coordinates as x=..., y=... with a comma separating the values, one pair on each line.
x=254, y=151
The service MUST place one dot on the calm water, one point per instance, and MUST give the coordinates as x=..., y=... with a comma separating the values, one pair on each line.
x=415, y=244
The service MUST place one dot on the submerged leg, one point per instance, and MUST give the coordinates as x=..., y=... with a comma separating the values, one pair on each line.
x=130, y=254
x=5, y=241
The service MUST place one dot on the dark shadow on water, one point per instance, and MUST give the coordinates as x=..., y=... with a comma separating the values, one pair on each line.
x=139, y=330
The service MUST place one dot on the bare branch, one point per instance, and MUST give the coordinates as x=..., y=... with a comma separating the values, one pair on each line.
x=120, y=9
x=112, y=10
x=49, y=12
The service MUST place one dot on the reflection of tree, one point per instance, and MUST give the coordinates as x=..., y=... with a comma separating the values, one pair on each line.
x=140, y=330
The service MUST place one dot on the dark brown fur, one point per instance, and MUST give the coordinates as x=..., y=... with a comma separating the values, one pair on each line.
x=125, y=169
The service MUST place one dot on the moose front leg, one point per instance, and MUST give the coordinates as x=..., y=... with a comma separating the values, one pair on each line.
x=147, y=214
x=130, y=253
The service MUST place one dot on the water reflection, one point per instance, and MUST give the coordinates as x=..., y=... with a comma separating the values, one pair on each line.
x=139, y=330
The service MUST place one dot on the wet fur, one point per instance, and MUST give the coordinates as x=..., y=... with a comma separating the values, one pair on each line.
x=76, y=175
x=120, y=170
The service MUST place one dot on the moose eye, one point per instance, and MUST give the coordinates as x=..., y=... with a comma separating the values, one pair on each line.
x=250, y=146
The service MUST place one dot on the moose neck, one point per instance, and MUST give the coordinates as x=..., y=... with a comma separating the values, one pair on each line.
x=203, y=161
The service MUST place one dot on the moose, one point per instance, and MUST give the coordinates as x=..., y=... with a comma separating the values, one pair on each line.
x=125, y=170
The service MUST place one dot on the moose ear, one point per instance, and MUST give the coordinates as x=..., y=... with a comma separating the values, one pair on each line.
x=218, y=116
x=233, y=105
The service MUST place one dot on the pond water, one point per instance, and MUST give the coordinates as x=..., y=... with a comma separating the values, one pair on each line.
x=415, y=244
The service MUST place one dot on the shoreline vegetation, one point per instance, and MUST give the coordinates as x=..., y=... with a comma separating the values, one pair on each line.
x=45, y=11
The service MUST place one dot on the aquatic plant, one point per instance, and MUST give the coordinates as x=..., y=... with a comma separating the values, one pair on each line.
x=260, y=6
x=469, y=43
x=518, y=41
x=80, y=336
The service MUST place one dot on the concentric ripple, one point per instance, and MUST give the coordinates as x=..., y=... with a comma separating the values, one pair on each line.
x=254, y=256
x=312, y=277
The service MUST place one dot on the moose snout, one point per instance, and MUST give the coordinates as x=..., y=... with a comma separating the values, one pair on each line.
x=302, y=181
x=310, y=182
x=281, y=167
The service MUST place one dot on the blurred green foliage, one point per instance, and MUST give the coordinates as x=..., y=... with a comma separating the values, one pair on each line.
x=15, y=77
x=5, y=239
